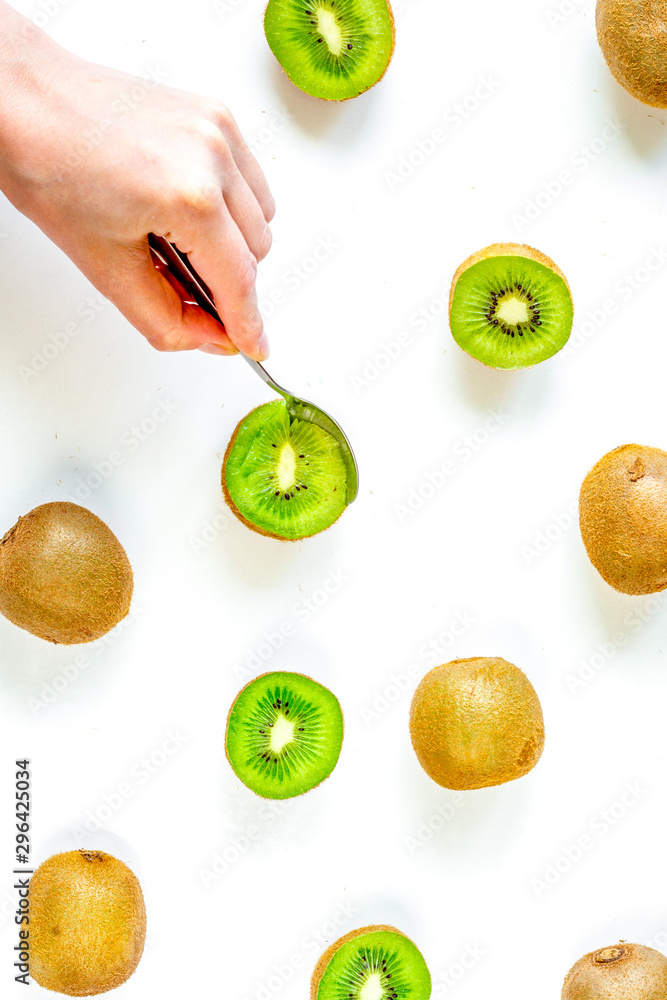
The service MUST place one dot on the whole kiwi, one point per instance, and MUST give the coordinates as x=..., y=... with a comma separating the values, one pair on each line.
x=87, y=923
x=633, y=39
x=476, y=722
x=64, y=576
x=623, y=518
x=621, y=972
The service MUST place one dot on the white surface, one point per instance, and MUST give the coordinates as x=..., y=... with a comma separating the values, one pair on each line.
x=469, y=554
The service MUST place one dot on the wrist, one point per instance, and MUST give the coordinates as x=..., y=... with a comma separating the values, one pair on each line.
x=28, y=60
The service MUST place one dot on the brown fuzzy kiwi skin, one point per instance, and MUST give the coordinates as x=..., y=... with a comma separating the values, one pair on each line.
x=620, y=972
x=326, y=957
x=623, y=518
x=259, y=676
x=505, y=250
x=64, y=576
x=632, y=35
x=333, y=100
x=87, y=923
x=232, y=506
x=475, y=723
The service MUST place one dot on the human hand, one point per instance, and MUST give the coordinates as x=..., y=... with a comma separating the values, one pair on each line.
x=98, y=159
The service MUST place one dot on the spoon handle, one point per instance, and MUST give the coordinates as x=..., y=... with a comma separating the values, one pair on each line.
x=183, y=271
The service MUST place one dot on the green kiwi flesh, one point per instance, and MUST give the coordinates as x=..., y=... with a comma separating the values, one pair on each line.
x=633, y=38
x=284, y=479
x=621, y=972
x=64, y=576
x=332, y=49
x=510, y=306
x=623, y=518
x=476, y=722
x=284, y=734
x=371, y=963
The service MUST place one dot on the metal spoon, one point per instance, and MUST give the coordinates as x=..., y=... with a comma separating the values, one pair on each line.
x=299, y=409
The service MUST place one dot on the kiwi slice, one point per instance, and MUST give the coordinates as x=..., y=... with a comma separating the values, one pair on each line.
x=623, y=518
x=286, y=480
x=633, y=38
x=87, y=923
x=621, y=972
x=371, y=963
x=333, y=49
x=284, y=734
x=476, y=722
x=64, y=576
x=510, y=306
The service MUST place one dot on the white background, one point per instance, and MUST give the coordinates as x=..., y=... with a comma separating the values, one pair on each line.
x=496, y=546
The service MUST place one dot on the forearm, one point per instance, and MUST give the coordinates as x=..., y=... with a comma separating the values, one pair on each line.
x=28, y=60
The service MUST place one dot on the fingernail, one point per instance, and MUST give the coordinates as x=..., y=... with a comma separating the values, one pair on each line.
x=216, y=349
x=263, y=347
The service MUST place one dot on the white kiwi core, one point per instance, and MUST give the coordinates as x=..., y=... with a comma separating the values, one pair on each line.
x=282, y=733
x=286, y=468
x=512, y=310
x=372, y=988
x=328, y=27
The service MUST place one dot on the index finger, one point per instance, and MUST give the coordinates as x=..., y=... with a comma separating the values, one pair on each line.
x=221, y=257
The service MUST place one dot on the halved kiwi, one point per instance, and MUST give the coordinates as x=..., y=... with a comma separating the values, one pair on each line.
x=510, y=306
x=64, y=576
x=371, y=963
x=476, y=722
x=286, y=480
x=332, y=49
x=284, y=734
x=633, y=38
x=621, y=972
x=623, y=518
